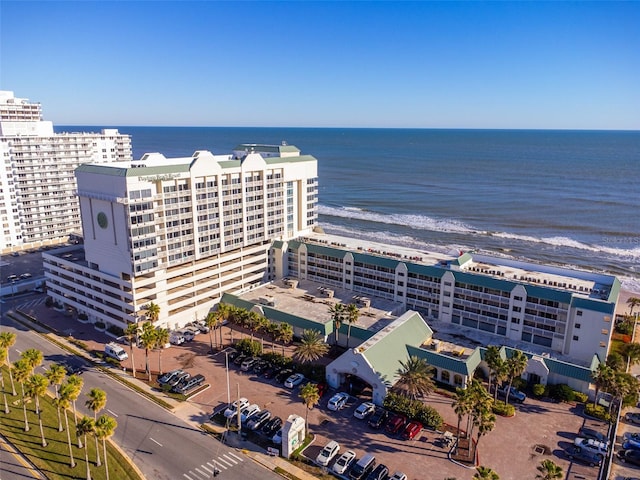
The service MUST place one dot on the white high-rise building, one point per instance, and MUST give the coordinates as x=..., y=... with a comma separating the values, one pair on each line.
x=38, y=204
x=180, y=232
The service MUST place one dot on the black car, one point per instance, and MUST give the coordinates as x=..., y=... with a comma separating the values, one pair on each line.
x=583, y=456
x=379, y=418
x=260, y=366
x=630, y=456
x=271, y=371
x=258, y=420
x=239, y=359
x=232, y=353
x=379, y=473
x=272, y=426
x=594, y=434
x=283, y=375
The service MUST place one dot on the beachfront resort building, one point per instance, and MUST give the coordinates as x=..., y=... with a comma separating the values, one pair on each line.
x=37, y=183
x=179, y=232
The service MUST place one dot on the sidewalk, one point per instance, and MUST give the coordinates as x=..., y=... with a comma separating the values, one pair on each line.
x=187, y=411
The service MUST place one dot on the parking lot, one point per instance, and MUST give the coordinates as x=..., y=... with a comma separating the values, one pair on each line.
x=539, y=430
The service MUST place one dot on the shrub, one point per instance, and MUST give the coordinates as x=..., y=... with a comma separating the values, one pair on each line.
x=539, y=390
x=630, y=400
x=277, y=359
x=597, y=411
x=519, y=383
x=117, y=331
x=249, y=347
x=48, y=302
x=414, y=409
x=625, y=327
x=99, y=325
x=580, y=397
x=83, y=316
x=503, y=409
x=561, y=392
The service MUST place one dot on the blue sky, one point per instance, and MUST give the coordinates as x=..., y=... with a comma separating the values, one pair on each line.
x=572, y=65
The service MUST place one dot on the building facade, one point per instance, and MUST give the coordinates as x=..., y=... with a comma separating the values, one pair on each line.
x=37, y=184
x=180, y=232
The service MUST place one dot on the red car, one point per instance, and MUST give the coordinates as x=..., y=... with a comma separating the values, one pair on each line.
x=412, y=430
x=395, y=423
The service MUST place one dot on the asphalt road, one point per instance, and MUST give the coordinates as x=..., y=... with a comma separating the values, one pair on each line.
x=160, y=444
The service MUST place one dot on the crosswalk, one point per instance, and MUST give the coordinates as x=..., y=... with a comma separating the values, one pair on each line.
x=32, y=303
x=207, y=470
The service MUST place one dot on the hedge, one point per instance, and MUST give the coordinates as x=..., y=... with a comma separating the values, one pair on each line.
x=414, y=409
x=503, y=409
x=597, y=411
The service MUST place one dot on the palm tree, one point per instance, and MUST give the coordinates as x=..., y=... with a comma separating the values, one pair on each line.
x=515, y=366
x=162, y=338
x=213, y=321
x=284, y=334
x=148, y=339
x=632, y=302
x=64, y=402
x=153, y=311
x=481, y=403
x=549, y=470
x=494, y=361
x=104, y=428
x=353, y=313
x=33, y=357
x=76, y=384
x=311, y=347
x=96, y=402
x=131, y=332
x=310, y=397
x=461, y=406
x=55, y=375
x=485, y=423
x=602, y=378
x=7, y=340
x=22, y=371
x=3, y=360
x=485, y=473
x=415, y=378
x=631, y=352
x=36, y=388
x=337, y=312
x=85, y=426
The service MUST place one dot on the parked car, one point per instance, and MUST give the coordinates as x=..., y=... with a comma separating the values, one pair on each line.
x=167, y=377
x=398, y=476
x=258, y=420
x=378, y=418
x=176, y=338
x=246, y=412
x=239, y=359
x=515, y=395
x=395, y=423
x=282, y=375
x=232, y=409
x=630, y=444
x=629, y=456
x=344, y=462
x=591, y=445
x=591, y=433
x=379, y=473
x=364, y=410
x=322, y=387
x=583, y=456
x=632, y=418
x=232, y=353
x=189, y=384
x=248, y=363
x=329, y=451
x=632, y=440
x=202, y=326
x=271, y=371
x=412, y=430
x=338, y=401
x=260, y=366
x=272, y=426
x=294, y=380
x=187, y=334
x=277, y=437
x=25, y=275
x=178, y=379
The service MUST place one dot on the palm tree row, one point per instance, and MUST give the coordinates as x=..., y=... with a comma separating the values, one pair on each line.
x=501, y=370
x=617, y=383
x=476, y=403
x=341, y=313
x=33, y=387
x=150, y=338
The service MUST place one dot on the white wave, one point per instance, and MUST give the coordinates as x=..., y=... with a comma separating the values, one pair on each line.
x=631, y=284
x=418, y=222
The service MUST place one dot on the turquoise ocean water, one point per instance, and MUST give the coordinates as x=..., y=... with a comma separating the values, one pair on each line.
x=563, y=197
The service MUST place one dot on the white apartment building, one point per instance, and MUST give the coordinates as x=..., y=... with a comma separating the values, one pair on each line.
x=528, y=306
x=179, y=232
x=38, y=205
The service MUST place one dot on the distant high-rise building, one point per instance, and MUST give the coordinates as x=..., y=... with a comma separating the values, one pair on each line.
x=38, y=204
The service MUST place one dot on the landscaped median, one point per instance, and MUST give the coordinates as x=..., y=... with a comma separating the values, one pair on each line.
x=53, y=460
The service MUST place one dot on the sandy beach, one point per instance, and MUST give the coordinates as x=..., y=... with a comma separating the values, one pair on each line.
x=622, y=307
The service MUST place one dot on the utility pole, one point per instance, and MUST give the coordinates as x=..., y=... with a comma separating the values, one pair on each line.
x=239, y=414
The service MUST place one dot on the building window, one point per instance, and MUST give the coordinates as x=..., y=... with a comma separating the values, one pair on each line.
x=577, y=325
x=517, y=298
x=575, y=338
x=579, y=313
x=605, y=331
x=444, y=376
x=447, y=284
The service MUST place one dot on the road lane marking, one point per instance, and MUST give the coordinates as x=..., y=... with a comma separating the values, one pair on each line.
x=217, y=463
x=230, y=459
x=155, y=441
x=201, y=472
x=18, y=351
x=114, y=414
x=235, y=456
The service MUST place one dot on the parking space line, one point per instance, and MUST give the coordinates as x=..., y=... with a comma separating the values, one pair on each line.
x=155, y=441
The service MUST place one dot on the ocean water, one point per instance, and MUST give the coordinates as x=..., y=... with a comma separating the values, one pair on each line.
x=562, y=197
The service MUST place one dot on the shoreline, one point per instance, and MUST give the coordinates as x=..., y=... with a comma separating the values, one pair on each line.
x=622, y=308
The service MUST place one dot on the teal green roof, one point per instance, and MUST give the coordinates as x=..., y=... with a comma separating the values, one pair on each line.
x=594, y=305
x=427, y=270
x=324, y=250
x=462, y=259
x=438, y=360
x=615, y=290
x=296, y=159
x=103, y=170
x=277, y=244
x=379, y=261
x=380, y=352
x=484, y=281
x=548, y=293
x=562, y=368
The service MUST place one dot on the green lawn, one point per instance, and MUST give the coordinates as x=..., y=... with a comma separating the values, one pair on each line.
x=53, y=460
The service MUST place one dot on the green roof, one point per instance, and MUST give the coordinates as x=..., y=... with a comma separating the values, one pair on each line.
x=426, y=270
x=381, y=349
x=615, y=290
x=376, y=260
x=560, y=367
x=483, y=281
x=593, y=305
x=438, y=360
x=296, y=159
x=548, y=293
x=323, y=250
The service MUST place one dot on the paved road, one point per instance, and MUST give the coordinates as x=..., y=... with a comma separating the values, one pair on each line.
x=12, y=467
x=161, y=445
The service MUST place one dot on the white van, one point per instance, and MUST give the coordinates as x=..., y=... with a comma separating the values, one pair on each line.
x=115, y=351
